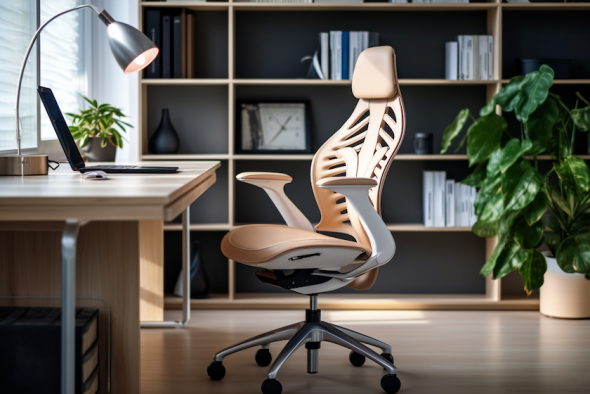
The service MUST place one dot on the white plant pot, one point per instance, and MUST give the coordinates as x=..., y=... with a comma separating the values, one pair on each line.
x=564, y=295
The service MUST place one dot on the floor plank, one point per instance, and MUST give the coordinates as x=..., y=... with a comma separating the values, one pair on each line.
x=459, y=352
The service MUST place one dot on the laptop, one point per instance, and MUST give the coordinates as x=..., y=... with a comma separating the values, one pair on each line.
x=71, y=149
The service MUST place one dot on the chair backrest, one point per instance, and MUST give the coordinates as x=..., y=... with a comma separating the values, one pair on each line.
x=362, y=147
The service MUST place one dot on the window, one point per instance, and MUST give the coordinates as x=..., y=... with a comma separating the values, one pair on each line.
x=62, y=58
x=17, y=26
x=62, y=65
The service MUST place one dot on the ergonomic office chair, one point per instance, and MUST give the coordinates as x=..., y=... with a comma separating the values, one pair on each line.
x=347, y=175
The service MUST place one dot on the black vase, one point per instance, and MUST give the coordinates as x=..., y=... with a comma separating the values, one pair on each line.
x=165, y=140
x=199, y=280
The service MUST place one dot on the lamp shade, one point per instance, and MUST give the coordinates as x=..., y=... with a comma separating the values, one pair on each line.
x=132, y=50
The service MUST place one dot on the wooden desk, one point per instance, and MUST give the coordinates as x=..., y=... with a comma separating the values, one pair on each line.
x=118, y=254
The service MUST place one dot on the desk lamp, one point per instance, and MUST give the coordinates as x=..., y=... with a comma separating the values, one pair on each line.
x=132, y=50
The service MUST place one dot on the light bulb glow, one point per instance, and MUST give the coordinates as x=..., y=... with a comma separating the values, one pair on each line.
x=140, y=60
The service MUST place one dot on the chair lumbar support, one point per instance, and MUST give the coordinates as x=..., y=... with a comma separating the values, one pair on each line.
x=311, y=333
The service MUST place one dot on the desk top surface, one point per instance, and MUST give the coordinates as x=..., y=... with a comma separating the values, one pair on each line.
x=66, y=190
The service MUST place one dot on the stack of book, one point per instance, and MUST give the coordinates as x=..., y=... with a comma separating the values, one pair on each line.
x=470, y=58
x=447, y=203
x=30, y=350
x=174, y=33
x=339, y=51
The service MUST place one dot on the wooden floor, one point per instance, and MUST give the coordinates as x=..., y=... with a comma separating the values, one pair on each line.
x=436, y=352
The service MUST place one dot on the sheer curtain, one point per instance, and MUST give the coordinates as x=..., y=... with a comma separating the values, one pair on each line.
x=17, y=26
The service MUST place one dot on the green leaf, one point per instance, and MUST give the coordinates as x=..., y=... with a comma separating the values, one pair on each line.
x=485, y=229
x=507, y=221
x=484, y=138
x=493, y=208
x=454, y=129
x=581, y=118
x=493, y=167
x=532, y=271
x=561, y=203
x=513, y=150
x=528, y=236
x=534, y=92
x=489, y=266
x=539, y=126
x=520, y=185
x=506, y=98
x=511, y=258
x=477, y=177
x=573, y=254
x=581, y=224
x=580, y=173
x=104, y=142
x=535, y=210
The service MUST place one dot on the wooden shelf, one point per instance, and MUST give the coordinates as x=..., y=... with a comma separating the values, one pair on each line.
x=286, y=157
x=357, y=301
x=546, y=6
x=245, y=6
x=304, y=82
x=199, y=227
x=184, y=81
x=190, y=5
x=563, y=81
x=188, y=156
x=418, y=227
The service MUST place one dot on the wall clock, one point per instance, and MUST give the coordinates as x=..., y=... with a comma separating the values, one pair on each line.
x=274, y=127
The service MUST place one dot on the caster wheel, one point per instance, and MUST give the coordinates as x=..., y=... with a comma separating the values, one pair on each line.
x=216, y=370
x=263, y=357
x=388, y=357
x=390, y=384
x=271, y=386
x=356, y=359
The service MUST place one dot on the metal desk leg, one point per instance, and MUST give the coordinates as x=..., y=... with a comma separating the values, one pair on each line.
x=186, y=280
x=68, y=305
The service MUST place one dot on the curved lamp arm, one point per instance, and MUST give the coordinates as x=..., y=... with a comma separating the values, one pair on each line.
x=22, y=68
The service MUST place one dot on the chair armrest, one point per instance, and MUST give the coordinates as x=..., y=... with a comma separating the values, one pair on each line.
x=273, y=184
x=356, y=191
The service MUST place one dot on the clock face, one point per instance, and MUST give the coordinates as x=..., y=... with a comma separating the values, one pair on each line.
x=282, y=126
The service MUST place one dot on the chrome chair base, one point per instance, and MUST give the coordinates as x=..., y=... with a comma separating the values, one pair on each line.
x=310, y=333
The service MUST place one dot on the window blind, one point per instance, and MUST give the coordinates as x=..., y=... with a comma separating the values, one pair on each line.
x=17, y=26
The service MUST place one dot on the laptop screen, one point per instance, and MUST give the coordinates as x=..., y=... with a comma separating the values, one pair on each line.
x=61, y=128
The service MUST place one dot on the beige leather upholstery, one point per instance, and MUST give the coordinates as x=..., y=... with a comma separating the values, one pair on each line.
x=372, y=78
x=264, y=176
x=259, y=243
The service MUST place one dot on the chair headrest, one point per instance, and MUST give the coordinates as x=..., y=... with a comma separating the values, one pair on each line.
x=374, y=74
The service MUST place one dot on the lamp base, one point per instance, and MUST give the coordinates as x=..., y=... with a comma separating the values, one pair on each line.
x=31, y=165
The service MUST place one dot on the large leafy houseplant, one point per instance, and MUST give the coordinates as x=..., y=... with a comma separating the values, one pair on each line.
x=515, y=201
x=98, y=121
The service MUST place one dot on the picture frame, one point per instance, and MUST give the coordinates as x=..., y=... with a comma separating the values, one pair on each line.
x=271, y=127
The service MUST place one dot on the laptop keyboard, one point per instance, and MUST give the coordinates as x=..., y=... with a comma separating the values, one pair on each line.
x=110, y=166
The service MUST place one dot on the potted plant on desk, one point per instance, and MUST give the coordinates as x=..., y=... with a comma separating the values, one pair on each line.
x=516, y=201
x=95, y=129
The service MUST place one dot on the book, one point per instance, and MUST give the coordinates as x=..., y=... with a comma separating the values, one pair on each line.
x=451, y=57
x=177, y=46
x=475, y=58
x=166, y=47
x=428, y=198
x=153, y=31
x=183, y=43
x=465, y=192
x=490, y=57
x=439, y=198
x=373, y=39
x=482, y=55
x=325, y=54
x=450, y=203
x=458, y=207
x=472, y=215
x=344, y=62
x=364, y=40
x=31, y=351
x=336, y=55
x=353, y=51
x=190, y=46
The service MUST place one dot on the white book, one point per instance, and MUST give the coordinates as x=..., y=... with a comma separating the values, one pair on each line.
x=428, y=201
x=475, y=57
x=466, y=57
x=472, y=215
x=460, y=50
x=490, y=57
x=483, y=57
x=439, y=198
x=450, y=203
x=465, y=206
x=451, y=57
x=353, y=51
x=458, y=191
x=325, y=54
x=364, y=40
x=337, y=55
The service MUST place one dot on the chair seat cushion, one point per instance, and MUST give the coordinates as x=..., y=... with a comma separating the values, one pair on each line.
x=283, y=247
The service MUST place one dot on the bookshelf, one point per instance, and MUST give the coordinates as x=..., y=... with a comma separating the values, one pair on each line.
x=240, y=63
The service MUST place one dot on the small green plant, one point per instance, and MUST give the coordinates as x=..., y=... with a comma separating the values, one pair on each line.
x=98, y=121
x=515, y=201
